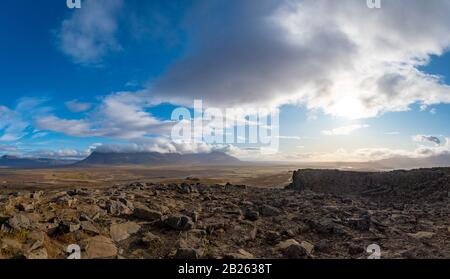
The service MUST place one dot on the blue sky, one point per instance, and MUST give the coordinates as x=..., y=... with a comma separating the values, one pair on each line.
x=111, y=73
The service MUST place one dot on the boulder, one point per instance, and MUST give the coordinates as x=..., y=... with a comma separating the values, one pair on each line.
x=251, y=215
x=179, y=222
x=78, y=192
x=123, y=231
x=184, y=188
x=117, y=208
x=355, y=249
x=151, y=240
x=11, y=244
x=324, y=245
x=128, y=203
x=89, y=227
x=89, y=212
x=64, y=227
x=37, y=195
x=269, y=211
x=241, y=254
x=360, y=224
x=28, y=207
x=285, y=244
x=326, y=226
x=74, y=227
x=272, y=236
x=307, y=246
x=144, y=213
x=100, y=247
x=187, y=254
x=37, y=254
x=19, y=222
x=292, y=249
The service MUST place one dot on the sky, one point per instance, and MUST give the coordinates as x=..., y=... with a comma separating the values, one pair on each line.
x=347, y=82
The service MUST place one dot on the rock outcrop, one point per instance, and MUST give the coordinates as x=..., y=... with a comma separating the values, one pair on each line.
x=417, y=185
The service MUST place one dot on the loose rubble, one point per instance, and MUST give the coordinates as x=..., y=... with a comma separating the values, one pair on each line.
x=310, y=219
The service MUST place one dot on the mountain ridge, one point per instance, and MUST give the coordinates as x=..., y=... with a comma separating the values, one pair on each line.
x=9, y=161
x=155, y=158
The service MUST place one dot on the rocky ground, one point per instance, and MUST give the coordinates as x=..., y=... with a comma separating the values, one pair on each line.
x=191, y=220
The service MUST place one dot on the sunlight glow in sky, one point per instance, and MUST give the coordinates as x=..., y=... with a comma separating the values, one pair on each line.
x=351, y=83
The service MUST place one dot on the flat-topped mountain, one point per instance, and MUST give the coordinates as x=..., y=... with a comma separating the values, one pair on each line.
x=154, y=158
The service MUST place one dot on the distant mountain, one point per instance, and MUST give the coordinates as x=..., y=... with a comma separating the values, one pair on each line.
x=8, y=161
x=154, y=159
x=442, y=160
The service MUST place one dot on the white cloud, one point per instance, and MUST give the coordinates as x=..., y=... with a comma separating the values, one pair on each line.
x=12, y=127
x=90, y=33
x=345, y=130
x=65, y=154
x=39, y=134
x=289, y=137
x=371, y=154
x=76, y=106
x=15, y=122
x=7, y=148
x=119, y=115
x=68, y=127
x=163, y=145
x=338, y=57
